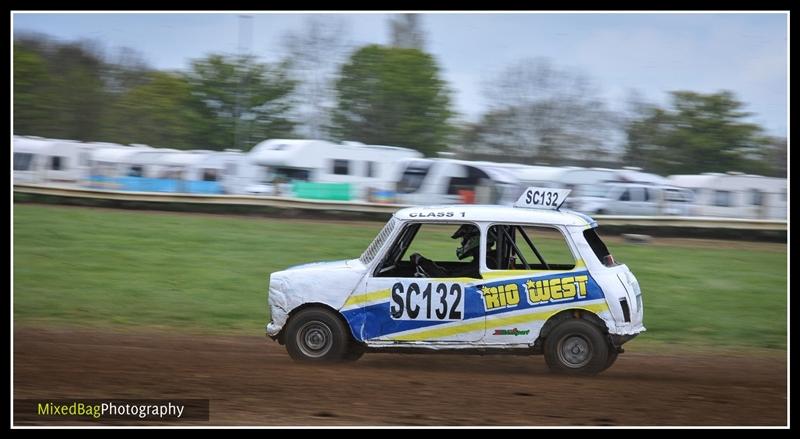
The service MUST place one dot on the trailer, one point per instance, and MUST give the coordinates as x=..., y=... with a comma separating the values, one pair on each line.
x=736, y=195
x=451, y=181
x=30, y=158
x=53, y=161
x=316, y=168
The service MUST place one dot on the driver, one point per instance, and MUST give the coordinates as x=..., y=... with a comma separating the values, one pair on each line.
x=470, y=247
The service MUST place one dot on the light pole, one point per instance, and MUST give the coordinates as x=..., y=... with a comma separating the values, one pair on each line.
x=243, y=49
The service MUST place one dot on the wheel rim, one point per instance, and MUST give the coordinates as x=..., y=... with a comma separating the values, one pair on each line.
x=574, y=351
x=314, y=339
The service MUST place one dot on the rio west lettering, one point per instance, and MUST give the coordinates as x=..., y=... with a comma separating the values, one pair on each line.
x=537, y=292
x=553, y=290
x=501, y=296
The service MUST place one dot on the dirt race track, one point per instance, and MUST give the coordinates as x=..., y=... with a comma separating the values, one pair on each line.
x=252, y=381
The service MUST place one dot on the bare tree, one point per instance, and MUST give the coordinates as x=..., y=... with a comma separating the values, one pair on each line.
x=314, y=54
x=407, y=32
x=540, y=110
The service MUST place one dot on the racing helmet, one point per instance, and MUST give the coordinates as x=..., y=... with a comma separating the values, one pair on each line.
x=470, y=241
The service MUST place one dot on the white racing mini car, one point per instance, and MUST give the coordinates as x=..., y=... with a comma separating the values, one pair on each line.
x=528, y=279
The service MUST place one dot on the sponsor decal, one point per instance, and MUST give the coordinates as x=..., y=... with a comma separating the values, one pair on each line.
x=515, y=332
x=536, y=292
x=501, y=296
x=557, y=289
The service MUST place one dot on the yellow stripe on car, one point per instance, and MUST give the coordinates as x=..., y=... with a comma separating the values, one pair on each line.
x=369, y=297
x=479, y=324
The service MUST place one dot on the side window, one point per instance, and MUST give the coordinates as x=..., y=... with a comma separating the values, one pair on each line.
x=637, y=194
x=756, y=197
x=22, y=161
x=523, y=247
x=433, y=250
x=626, y=195
x=57, y=163
x=209, y=174
x=722, y=198
x=341, y=167
x=646, y=194
x=369, y=169
x=136, y=171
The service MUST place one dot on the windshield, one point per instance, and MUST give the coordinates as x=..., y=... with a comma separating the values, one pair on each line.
x=413, y=177
x=377, y=243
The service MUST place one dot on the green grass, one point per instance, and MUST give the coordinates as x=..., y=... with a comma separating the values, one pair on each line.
x=81, y=266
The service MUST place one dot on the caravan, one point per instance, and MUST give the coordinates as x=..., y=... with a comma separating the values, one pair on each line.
x=450, y=181
x=634, y=199
x=40, y=160
x=316, y=168
x=736, y=195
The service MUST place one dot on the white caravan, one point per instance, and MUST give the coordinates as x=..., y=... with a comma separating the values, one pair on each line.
x=736, y=195
x=636, y=199
x=40, y=160
x=109, y=166
x=449, y=181
x=30, y=158
x=366, y=168
x=583, y=179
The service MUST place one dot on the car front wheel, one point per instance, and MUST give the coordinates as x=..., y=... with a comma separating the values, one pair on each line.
x=576, y=347
x=317, y=335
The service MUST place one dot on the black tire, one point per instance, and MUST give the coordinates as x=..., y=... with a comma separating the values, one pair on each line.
x=317, y=335
x=354, y=353
x=576, y=347
x=612, y=357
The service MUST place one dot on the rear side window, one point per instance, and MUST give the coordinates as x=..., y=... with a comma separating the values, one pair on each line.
x=599, y=247
x=523, y=247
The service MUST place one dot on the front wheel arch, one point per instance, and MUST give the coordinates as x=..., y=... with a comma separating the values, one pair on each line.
x=332, y=323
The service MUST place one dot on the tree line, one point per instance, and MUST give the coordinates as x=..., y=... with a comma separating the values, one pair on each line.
x=377, y=94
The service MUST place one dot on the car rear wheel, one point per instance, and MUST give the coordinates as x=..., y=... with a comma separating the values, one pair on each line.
x=317, y=335
x=576, y=347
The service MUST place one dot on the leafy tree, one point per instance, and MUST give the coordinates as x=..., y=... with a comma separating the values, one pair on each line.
x=59, y=90
x=699, y=133
x=244, y=101
x=30, y=84
x=393, y=96
x=160, y=112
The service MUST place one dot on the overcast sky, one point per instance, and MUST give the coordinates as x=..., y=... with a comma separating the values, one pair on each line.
x=650, y=52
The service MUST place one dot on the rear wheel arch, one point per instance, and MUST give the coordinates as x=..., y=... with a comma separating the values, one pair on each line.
x=572, y=313
x=587, y=331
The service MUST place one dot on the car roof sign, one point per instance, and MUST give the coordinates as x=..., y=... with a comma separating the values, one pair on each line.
x=542, y=198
